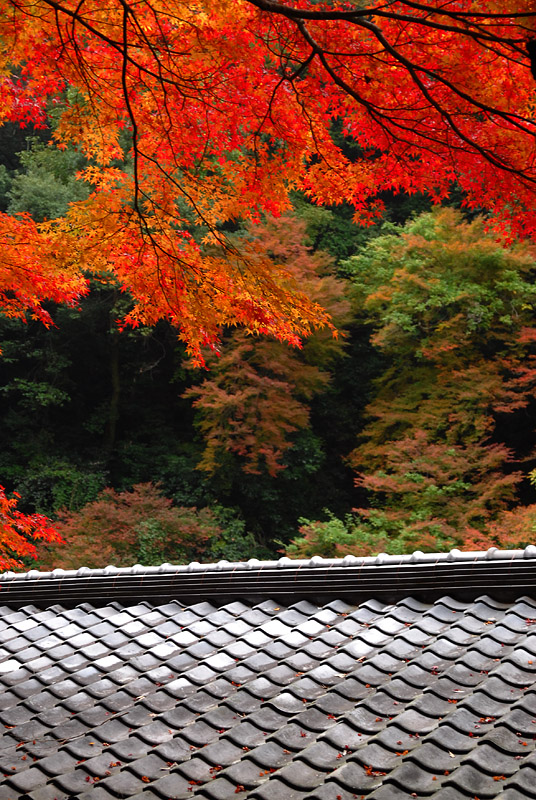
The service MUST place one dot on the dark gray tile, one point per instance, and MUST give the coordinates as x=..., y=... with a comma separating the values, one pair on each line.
x=79, y=701
x=27, y=780
x=276, y=789
x=54, y=716
x=507, y=740
x=474, y=781
x=333, y=703
x=488, y=758
x=524, y=781
x=155, y=733
x=70, y=729
x=222, y=718
x=84, y=747
x=196, y=769
x=199, y=733
x=152, y=766
x=130, y=749
x=173, y=751
x=357, y=778
x=221, y=788
x=125, y=784
x=322, y=755
x=15, y=715
x=246, y=735
x=413, y=774
x=74, y=783
x=449, y=738
x=511, y=793
x=245, y=773
x=201, y=701
x=113, y=730
x=189, y=703
x=224, y=752
x=58, y=763
x=435, y=759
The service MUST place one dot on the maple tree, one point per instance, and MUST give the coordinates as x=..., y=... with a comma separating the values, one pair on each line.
x=220, y=107
x=255, y=396
x=17, y=530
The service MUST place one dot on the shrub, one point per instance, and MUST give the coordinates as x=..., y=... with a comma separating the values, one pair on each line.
x=124, y=528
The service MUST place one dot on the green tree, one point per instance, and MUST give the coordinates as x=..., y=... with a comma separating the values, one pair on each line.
x=46, y=182
x=451, y=307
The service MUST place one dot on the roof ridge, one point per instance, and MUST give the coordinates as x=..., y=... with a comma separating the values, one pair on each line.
x=453, y=556
x=425, y=576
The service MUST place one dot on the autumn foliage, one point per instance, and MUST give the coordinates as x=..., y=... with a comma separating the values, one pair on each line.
x=123, y=528
x=452, y=311
x=193, y=116
x=19, y=532
x=256, y=394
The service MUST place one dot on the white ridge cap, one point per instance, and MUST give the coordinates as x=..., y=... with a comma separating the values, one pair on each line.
x=211, y=566
x=429, y=558
x=418, y=557
x=284, y=561
x=58, y=573
x=508, y=555
x=84, y=571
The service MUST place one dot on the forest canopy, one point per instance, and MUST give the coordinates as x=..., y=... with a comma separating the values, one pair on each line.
x=220, y=108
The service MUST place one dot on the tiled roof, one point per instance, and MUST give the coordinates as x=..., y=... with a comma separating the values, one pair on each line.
x=269, y=700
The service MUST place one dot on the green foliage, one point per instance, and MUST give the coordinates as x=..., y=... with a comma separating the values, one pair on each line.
x=46, y=184
x=358, y=535
x=234, y=542
x=5, y=182
x=331, y=230
x=36, y=395
x=440, y=286
x=328, y=539
x=150, y=540
x=55, y=484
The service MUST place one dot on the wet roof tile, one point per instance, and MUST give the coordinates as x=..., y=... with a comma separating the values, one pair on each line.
x=269, y=699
